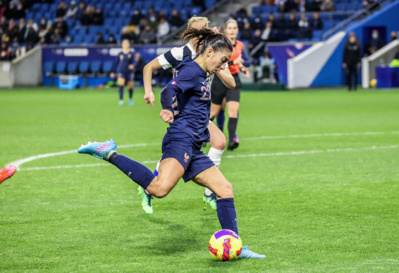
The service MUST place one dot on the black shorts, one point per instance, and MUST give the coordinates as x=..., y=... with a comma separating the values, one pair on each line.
x=220, y=91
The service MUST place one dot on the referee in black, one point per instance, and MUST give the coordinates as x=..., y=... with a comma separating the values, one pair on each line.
x=351, y=60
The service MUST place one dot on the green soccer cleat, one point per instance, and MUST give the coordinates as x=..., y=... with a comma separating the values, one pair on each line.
x=145, y=200
x=102, y=150
x=248, y=254
x=210, y=200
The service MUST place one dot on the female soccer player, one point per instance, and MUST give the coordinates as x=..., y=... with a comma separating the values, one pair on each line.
x=181, y=146
x=173, y=58
x=232, y=95
x=125, y=71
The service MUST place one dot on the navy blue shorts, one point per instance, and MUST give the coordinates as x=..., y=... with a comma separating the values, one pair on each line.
x=127, y=75
x=182, y=148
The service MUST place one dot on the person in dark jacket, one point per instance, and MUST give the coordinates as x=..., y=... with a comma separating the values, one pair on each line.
x=351, y=60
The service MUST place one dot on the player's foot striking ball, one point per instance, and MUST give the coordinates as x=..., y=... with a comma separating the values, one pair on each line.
x=7, y=172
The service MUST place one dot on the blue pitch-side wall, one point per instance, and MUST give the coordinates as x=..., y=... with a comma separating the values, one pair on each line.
x=332, y=72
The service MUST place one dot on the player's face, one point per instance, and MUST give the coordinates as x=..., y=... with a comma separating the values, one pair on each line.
x=231, y=30
x=125, y=44
x=217, y=61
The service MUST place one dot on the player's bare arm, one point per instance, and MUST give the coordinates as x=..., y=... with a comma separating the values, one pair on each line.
x=147, y=79
x=227, y=79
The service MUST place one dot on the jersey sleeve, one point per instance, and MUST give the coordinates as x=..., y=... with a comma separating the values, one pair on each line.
x=244, y=56
x=116, y=63
x=171, y=58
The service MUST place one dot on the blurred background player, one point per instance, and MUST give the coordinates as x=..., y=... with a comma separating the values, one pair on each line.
x=124, y=66
x=238, y=60
x=7, y=172
x=173, y=58
x=351, y=60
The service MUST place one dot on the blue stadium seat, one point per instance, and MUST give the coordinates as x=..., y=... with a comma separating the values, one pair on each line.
x=256, y=10
x=37, y=16
x=127, y=6
x=341, y=6
x=107, y=66
x=118, y=6
x=48, y=68
x=118, y=22
x=209, y=3
x=78, y=39
x=114, y=30
x=138, y=4
x=72, y=67
x=195, y=11
x=44, y=7
x=109, y=22
x=88, y=39
x=36, y=7
x=83, y=67
x=82, y=31
x=317, y=34
x=147, y=4
x=60, y=67
x=95, y=66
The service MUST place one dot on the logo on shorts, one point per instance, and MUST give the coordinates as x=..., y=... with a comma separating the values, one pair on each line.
x=186, y=157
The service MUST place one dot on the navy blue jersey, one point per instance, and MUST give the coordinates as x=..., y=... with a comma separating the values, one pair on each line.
x=123, y=61
x=190, y=95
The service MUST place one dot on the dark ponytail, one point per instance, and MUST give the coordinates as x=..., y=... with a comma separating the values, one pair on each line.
x=207, y=38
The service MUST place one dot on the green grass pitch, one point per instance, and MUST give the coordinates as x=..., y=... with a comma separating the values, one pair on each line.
x=315, y=179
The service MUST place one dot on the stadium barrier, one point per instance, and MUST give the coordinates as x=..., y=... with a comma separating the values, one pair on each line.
x=6, y=75
x=381, y=57
x=23, y=71
x=306, y=70
x=303, y=69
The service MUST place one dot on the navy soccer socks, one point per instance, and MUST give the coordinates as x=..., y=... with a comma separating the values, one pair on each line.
x=227, y=214
x=135, y=170
x=220, y=120
x=120, y=92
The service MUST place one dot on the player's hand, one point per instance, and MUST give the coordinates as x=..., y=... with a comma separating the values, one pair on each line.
x=239, y=60
x=344, y=65
x=149, y=98
x=131, y=67
x=215, y=29
x=167, y=116
x=112, y=75
x=245, y=71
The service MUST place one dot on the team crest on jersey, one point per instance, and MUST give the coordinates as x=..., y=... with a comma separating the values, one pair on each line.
x=121, y=57
x=186, y=157
x=174, y=83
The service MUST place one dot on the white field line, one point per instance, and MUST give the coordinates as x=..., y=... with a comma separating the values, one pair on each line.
x=319, y=135
x=19, y=162
x=233, y=156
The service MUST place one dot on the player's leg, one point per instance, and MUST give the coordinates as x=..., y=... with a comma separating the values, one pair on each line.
x=146, y=197
x=218, y=143
x=136, y=171
x=232, y=109
x=233, y=104
x=214, y=179
x=130, y=85
x=121, y=83
x=220, y=118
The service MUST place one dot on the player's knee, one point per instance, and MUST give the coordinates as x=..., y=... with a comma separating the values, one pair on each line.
x=225, y=192
x=219, y=142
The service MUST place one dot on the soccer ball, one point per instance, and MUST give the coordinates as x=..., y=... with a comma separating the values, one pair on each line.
x=225, y=245
x=373, y=83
